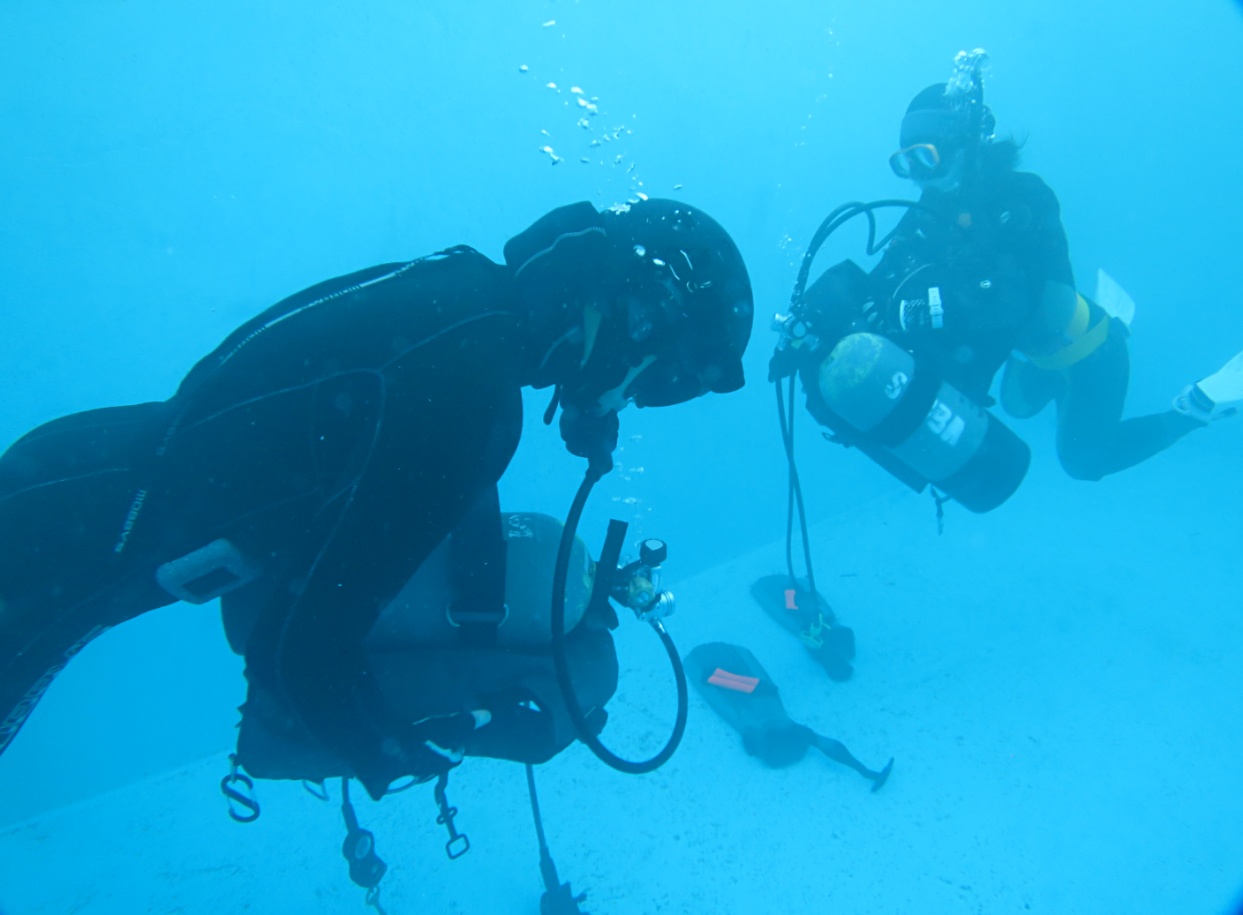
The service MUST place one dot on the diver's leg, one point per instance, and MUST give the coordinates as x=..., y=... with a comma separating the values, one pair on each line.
x=1026, y=389
x=72, y=562
x=1092, y=438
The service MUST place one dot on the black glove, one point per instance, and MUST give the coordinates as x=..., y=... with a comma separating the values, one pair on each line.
x=591, y=436
x=786, y=361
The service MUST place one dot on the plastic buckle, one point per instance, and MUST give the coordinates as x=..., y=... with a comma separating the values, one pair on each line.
x=207, y=573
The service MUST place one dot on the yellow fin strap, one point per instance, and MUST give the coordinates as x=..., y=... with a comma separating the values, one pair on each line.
x=1084, y=342
x=811, y=635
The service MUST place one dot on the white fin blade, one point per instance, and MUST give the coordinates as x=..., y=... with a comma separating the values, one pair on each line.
x=1114, y=299
x=1225, y=386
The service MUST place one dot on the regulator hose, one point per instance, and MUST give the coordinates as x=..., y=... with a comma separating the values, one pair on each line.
x=831, y=223
x=560, y=574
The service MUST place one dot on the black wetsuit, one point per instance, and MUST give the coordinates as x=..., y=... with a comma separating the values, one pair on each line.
x=335, y=439
x=993, y=249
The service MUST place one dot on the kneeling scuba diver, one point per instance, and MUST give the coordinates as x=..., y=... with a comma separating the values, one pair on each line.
x=520, y=683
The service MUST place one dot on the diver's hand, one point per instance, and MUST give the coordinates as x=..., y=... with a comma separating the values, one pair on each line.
x=785, y=361
x=591, y=436
x=426, y=748
x=446, y=735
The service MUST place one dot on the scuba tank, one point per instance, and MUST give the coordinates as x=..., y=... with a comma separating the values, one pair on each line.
x=422, y=613
x=888, y=402
x=925, y=424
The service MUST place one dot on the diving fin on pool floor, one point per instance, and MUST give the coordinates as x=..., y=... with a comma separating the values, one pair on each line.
x=738, y=688
x=808, y=615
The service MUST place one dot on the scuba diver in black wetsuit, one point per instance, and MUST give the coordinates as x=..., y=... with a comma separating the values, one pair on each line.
x=899, y=361
x=313, y=462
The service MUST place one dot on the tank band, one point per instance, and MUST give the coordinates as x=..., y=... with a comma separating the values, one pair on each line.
x=911, y=410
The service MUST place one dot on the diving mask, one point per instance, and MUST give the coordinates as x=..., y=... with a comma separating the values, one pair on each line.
x=919, y=162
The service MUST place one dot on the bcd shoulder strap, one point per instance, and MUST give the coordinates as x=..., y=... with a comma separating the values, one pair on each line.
x=477, y=571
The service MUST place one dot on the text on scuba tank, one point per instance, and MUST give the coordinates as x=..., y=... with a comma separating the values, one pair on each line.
x=518, y=527
x=945, y=423
x=897, y=385
x=131, y=518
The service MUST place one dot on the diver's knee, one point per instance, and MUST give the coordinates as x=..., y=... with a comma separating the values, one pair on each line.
x=1081, y=467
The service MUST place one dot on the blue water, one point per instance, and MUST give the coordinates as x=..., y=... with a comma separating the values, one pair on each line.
x=168, y=170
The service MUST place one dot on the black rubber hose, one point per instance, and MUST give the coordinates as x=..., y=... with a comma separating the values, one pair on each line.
x=831, y=223
x=575, y=710
x=848, y=211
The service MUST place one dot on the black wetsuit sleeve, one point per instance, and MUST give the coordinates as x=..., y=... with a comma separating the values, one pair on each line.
x=1040, y=246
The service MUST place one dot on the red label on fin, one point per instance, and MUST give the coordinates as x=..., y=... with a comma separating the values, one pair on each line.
x=791, y=603
x=736, y=682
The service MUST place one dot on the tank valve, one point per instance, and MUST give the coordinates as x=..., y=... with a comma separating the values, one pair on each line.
x=638, y=583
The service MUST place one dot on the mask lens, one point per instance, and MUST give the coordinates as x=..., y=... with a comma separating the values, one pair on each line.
x=919, y=161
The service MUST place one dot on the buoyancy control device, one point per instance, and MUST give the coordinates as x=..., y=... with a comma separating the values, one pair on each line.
x=545, y=676
x=424, y=665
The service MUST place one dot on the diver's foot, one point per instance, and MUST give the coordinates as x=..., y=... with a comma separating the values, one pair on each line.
x=1215, y=397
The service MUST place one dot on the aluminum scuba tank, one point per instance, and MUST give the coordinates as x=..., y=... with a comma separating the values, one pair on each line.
x=927, y=425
